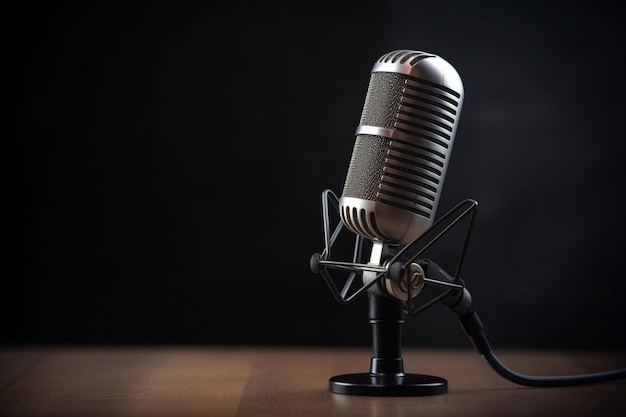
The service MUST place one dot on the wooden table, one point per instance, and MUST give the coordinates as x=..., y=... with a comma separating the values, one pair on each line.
x=287, y=381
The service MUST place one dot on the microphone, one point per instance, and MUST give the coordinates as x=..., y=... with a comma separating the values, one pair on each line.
x=390, y=196
x=401, y=154
x=402, y=148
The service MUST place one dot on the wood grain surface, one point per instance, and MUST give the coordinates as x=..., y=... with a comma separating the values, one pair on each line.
x=287, y=381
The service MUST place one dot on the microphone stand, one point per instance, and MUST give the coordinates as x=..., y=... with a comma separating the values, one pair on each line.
x=386, y=315
x=386, y=376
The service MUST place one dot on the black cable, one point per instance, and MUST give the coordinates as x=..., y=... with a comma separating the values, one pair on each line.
x=474, y=329
x=551, y=381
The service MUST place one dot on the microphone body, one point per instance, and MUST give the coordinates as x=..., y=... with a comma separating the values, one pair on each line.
x=402, y=148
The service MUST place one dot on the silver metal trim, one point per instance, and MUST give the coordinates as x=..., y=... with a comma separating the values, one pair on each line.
x=395, y=134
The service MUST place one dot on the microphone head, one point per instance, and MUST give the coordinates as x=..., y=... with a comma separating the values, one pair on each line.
x=402, y=148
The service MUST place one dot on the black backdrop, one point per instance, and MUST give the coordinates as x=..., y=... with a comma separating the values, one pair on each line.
x=174, y=155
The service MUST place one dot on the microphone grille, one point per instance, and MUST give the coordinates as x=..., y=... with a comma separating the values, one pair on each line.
x=404, y=170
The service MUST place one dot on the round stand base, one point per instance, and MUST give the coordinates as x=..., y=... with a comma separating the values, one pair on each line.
x=390, y=385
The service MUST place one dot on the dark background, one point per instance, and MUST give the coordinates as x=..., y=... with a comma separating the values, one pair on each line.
x=174, y=155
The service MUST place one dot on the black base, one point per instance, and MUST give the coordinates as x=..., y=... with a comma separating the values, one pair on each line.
x=403, y=385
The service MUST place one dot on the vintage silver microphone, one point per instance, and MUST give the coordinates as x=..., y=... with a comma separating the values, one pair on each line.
x=401, y=153
x=400, y=157
x=403, y=146
x=390, y=197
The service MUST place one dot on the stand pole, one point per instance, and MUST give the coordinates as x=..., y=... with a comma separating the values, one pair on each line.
x=386, y=376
